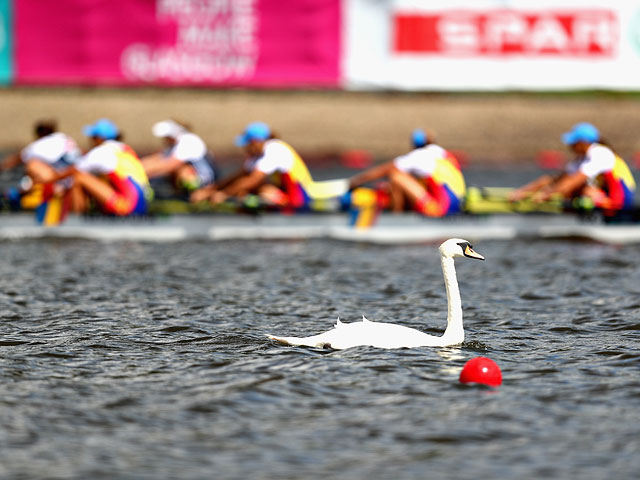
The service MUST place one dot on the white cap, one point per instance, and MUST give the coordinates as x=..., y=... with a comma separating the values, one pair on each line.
x=167, y=128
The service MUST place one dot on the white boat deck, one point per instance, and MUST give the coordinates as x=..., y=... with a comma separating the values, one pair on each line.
x=389, y=229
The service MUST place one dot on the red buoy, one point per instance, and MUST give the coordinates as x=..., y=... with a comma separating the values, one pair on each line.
x=481, y=370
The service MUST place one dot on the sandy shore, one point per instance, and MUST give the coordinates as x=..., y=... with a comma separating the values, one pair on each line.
x=489, y=128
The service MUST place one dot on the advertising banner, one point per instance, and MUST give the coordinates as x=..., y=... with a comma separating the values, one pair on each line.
x=6, y=36
x=493, y=45
x=259, y=43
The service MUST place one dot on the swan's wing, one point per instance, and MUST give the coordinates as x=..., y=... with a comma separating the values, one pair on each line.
x=364, y=333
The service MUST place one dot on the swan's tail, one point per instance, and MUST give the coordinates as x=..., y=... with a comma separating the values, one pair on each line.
x=298, y=341
x=285, y=340
x=319, y=341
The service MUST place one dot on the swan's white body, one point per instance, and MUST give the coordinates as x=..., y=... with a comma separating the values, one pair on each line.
x=388, y=335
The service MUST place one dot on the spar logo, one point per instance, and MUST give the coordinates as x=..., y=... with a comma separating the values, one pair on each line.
x=588, y=33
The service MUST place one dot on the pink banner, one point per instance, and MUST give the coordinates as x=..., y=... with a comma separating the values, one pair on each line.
x=258, y=43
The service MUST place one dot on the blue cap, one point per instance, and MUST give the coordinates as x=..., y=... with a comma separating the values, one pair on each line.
x=103, y=128
x=254, y=131
x=581, y=132
x=419, y=138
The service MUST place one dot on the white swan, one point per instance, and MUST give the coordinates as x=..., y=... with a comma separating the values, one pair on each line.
x=388, y=335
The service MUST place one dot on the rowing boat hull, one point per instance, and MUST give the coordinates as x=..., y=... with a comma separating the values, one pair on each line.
x=389, y=229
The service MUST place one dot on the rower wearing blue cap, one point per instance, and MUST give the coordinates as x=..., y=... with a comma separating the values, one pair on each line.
x=596, y=173
x=419, y=138
x=110, y=173
x=581, y=132
x=104, y=129
x=275, y=172
x=254, y=132
x=428, y=178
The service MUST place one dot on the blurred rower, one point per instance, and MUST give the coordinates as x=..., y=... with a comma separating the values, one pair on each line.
x=51, y=153
x=275, y=172
x=596, y=173
x=428, y=178
x=185, y=158
x=109, y=174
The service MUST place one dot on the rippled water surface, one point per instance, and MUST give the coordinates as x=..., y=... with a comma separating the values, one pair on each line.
x=134, y=360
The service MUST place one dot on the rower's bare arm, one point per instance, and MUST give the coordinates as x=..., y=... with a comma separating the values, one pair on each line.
x=569, y=184
x=375, y=173
x=149, y=159
x=207, y=193
x=225, y=182
x=68, y=172
x=160, y=166
x=11, y=161
x=246, y=184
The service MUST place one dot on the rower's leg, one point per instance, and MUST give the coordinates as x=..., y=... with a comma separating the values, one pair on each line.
x=272, y=195
x=39, y=171
x=120, y=201
x=79, y=200
x=398, y=198
x=432, y=201
x=94, y=186
x=407, y=184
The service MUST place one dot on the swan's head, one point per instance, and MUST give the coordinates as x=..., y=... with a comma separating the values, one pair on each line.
x=457, y=247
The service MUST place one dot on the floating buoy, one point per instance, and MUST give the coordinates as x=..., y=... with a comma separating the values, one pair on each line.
x=481, y=370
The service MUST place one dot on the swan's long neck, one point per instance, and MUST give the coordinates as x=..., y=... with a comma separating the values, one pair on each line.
x=455, y=331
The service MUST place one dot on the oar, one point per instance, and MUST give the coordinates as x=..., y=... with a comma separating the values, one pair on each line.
x=53, y=208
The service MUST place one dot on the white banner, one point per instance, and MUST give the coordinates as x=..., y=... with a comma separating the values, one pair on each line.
x=492, y=45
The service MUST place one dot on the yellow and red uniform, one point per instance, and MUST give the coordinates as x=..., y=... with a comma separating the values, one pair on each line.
x=289, y=172
x=119, y=165
x=609, y=173
x=440, y=173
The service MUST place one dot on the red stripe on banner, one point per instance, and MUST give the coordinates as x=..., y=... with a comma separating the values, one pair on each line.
x=590, y=33
x=416, y=33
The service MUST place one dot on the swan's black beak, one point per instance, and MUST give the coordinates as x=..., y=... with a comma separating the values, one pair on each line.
x=471, y=253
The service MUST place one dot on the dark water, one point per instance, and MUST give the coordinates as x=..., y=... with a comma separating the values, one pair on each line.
x=131, y=360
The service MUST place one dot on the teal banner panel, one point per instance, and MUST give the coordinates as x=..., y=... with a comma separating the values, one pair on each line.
x=6, y=42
